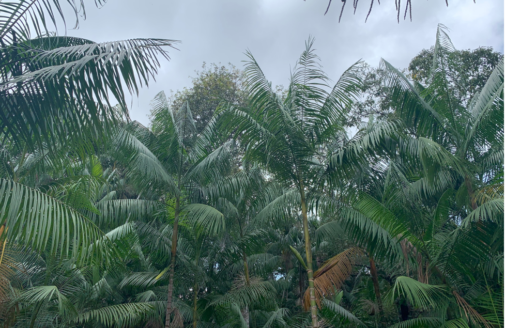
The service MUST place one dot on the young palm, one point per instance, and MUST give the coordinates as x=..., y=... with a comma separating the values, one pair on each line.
x=288, y=136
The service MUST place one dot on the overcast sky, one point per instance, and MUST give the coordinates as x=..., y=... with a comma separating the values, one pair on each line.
x=219, y=31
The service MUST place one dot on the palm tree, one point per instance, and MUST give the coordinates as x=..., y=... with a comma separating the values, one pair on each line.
x=55, y=99
x=288, y=137
x=53, y=86
x=440, y=197
x=174, y=163
x=466, y=137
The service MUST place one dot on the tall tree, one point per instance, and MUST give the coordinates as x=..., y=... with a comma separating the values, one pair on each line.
x=286, y=136
x=178, y=166
x=213, y=85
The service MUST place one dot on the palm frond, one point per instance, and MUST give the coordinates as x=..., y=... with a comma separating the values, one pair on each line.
x=470, y=313
x=487, y=112
x=206, y=218
x=62, y=95
x=23, y=16
x=420, y=322
x=412, y=107
x=48, y=294
x=277, y=318
x=245, y=295
x=420, y=295
x=119, y=315
x=38, y=220
x=332, y=274
x=491, y=210
x=120, y=210
x=339, y=311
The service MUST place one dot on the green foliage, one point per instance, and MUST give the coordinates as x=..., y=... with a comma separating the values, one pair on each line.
x=211, y=87
x=239, y=199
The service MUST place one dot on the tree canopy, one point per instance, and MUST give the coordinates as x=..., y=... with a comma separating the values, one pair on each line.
x=376, y=201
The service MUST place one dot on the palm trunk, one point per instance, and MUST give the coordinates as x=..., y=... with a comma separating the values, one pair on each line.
x=308, y=254
x=375, y=279
x=246, y=269
x=300, y=283
x=195, y=308
x=469, y=189
x=172, y=264
x=245, y=311
x=195, y=291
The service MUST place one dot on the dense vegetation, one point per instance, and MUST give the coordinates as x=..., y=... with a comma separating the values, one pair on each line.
x=373, y=202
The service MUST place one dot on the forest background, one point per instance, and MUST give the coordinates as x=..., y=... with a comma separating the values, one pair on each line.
x=375, y=200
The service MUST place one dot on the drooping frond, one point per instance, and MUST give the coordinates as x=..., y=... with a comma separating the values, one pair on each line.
x=469, y=312
x=414, y=110
x=119, y=315
x=384, y=217
x=370, y=234
x=421, y=295
x=339, y=311
x=332, y=274
x=139, y=279
x=244, y=295
x=120, y=210
x=277, y=318
x=277, y=207
x=455, y=323
x=48, y=294
x=420, y=322
x=24, y=16
x=206, y=218
x=38, y=220
x=62, y=95
x=486, y=124
x=145, y=166
x=491, y=210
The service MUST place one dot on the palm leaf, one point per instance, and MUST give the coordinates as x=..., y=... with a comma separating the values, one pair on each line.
x=420, y=295
x=486, y=122
x=245, y=295
x=119, y=315
x=205, y=217
x=41, y=221
x=332, y=274
x=63, y=94
x=339, y=311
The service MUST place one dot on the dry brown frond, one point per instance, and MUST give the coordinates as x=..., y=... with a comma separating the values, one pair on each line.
x=332, y=274
x=470, y=312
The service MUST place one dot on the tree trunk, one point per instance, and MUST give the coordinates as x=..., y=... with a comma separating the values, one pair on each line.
x=172, y=264
x=300, y=282
x=195, y=308
x=375, y=279
x=195, y=290
x=308, y=254
x=245, y=311
x=469, y=189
